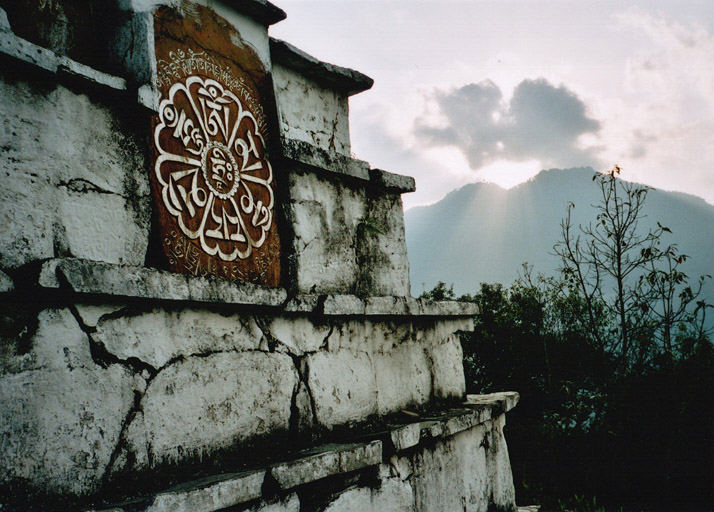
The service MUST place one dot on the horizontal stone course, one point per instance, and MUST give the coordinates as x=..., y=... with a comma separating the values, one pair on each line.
x=87, y=277
x=226, y=490
x=326, y=461
x=339, y=78
x=312, y=157
x=18, y=49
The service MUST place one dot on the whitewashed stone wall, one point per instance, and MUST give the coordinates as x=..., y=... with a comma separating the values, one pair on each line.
x=73, y=180
x=310, y=112
x=116, y=378
x=172, y=383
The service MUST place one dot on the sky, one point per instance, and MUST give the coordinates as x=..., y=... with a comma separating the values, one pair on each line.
x=496, y=90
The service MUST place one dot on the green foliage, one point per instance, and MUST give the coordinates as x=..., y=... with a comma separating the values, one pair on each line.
x=613, y=363
x=439, y=292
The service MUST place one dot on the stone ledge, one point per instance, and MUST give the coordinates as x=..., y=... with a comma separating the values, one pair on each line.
x=351, y=305
x=318, y=159
x=392, y=182
x=228, y=490
x=96, y=278
x=261, y=11
x=18, y=49
x=477, y=409
x=324, y=461
x=410, y=306
x=212, y=493
x=344, y=80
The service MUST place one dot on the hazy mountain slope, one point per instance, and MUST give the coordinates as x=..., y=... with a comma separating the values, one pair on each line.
x=483, y=233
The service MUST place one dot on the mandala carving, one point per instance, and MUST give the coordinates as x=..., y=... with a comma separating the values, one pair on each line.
x=211, y=168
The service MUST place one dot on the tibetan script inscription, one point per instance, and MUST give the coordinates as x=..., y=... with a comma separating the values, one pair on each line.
x=214, y=186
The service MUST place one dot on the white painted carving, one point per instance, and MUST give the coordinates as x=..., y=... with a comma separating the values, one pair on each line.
x=214, y=184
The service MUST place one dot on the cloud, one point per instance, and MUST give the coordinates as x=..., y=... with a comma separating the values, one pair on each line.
x=659, y=128
x=540, y=121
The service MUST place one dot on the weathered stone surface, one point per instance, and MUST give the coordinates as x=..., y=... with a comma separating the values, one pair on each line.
x=307, y=155
x=304, y=303
x=499, y=465
x=343, y=305
x=231, y=396
x=95, y=278
x=460, y=473
x=6, y=283
x=406, y=437
x=406, y=306
x=382, y=249
x=291, y=503
x=58, y=343
x=505, y=400
x=403, y=378
x=160, y=335
x=343, y=386
x=90, y=314
x=324, y=215
x=209, y=494
x=134, y=453
x=102, y=227
x=73, y=182
x=391, y=182
x=448, y=368
x=392, y=496
x=348, y=81
x=59, y=425
x=326, y=461
x=298, y=335
x=311, y=113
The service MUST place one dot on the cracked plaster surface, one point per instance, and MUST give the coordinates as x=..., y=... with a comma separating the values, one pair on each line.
x=72, y=183
x=172, y=369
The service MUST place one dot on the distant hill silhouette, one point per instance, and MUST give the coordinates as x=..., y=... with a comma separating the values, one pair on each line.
x=483, y=233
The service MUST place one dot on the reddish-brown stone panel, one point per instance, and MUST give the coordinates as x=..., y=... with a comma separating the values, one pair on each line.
x=212, y=179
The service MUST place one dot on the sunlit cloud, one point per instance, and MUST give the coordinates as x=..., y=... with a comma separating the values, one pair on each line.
x=539, y=122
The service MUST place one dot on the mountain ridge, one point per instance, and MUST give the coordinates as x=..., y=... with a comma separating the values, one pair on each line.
x=482, y=232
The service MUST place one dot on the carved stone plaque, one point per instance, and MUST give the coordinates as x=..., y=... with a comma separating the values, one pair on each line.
x=212, y=179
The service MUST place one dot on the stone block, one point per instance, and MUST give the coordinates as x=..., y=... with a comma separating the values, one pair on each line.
x=406, y=437
x=309, y=157
x=311, y=113
x=103, y=227
x=60, y=426
x=403, y=378
x=158, y=336
x=499, y=465
x=209, y=494
x=343, y=386
x=391, y=496
x=73, y=178
x=324, y=461
x=382, y=248
x=298, y=335
x=324, y=215
x=58, y=343
x=468, y=471
x=98, y=278
x=343, y=305
x=391, y=182
x=448, y=368
x=202, y=404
